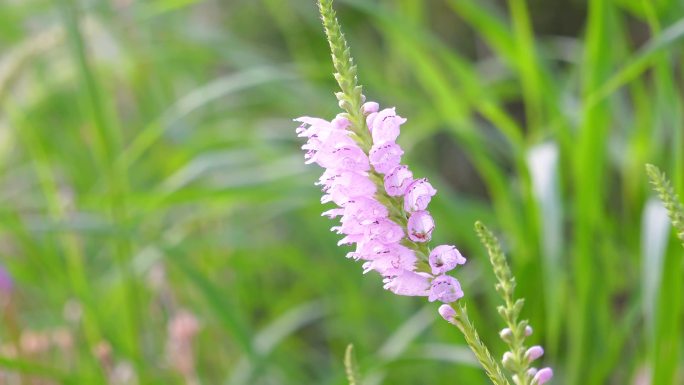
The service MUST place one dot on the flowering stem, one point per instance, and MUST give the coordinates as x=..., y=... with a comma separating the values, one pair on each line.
x=670, y=200
x=510, y=311
x=351, y=97
x=490, y=365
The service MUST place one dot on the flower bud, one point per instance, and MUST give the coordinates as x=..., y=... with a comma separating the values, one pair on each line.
x=508, y=361
x=370, y=107
x=533, y=353
x=542, y=376
x=446, y=289
x=506, y=334
x=448, y=313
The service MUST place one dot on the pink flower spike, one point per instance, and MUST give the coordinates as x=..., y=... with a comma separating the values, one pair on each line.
x=542, y=376
x=408, y=283
x=385, y=157
x=448, y=313
x=418, y=195
x=444, y=258
x=398, y=180
x=420, y=226
x=446, y=289
x=533, y=353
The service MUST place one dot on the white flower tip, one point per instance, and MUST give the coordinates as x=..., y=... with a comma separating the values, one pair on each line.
x=542, y=376
x=447, y=312
x=528, y=331
x=507, y=360
x=506, y=334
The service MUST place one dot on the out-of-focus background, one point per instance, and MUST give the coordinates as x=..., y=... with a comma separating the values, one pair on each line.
x=158, y=225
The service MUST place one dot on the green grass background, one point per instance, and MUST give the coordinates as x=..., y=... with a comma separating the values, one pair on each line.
x=140, y=137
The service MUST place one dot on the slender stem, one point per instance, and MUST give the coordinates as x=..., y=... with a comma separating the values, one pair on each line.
x=512, y=306
x=490, y=365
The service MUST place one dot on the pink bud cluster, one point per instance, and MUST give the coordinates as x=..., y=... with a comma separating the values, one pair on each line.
x=536, y=376
x=383, y=208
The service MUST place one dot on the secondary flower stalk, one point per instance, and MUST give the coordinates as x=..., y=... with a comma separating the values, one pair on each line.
x=518, y=358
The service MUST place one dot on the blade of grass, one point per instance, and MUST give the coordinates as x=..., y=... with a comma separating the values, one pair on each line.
x=74, y=269
x=107, y=142
x=588, y=175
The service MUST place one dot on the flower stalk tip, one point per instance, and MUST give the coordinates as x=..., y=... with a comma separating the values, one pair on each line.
x=518, y=358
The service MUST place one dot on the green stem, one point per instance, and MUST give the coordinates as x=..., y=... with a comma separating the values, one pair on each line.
x=482, y=354
x=511, y=308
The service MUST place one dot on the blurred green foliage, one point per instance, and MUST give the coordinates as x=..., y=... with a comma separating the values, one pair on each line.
x=149, y=168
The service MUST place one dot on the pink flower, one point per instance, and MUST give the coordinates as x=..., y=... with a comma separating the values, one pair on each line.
x=444, y=258
x=385, y=157
x=348, y=157
x=542, y=376
x=393, y=260
x=398, y=180
x=408, y=283
x=533, y=353
x=384, y=125
x=343, y=186
x=385, y=231
x=420, y=226
x=418, y=195
x=446, y=289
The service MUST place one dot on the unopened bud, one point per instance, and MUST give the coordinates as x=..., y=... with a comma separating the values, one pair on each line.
x=508, y=361
x=447, y=312
x=542, y=376
x=370, y=107
x=506, y=334
x=528, y=331
x=533, y=353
